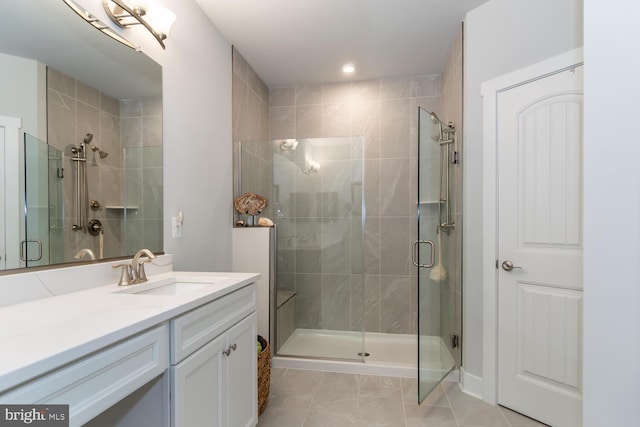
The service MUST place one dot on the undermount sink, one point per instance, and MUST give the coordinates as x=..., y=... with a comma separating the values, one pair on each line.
x=173, y=286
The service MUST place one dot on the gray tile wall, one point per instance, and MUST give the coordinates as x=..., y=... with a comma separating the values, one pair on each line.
x=141, y=174
x=451, y=290
x=250, y=99
x=385, y=113
x=75, y=109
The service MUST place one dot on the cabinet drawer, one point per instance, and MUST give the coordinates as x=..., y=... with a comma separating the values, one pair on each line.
x=96, y=382
x=191, y=331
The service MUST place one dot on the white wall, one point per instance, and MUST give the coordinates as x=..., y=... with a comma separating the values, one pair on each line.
x=196, y=74
x=500, y=36
x=23, y=89
x=612, y=230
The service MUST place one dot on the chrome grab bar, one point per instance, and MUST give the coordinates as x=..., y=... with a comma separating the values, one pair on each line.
x=414, y=254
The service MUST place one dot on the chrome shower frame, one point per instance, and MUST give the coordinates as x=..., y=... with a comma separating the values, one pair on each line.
x=447, y=139
x=81, y=201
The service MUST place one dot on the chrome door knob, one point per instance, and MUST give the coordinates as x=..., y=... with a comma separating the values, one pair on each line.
x=508, y=266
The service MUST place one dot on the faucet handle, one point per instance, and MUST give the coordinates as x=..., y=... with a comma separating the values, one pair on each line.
x=126, y=275
x=142, y=276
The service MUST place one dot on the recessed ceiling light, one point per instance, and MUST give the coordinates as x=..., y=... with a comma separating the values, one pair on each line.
x=348, y=68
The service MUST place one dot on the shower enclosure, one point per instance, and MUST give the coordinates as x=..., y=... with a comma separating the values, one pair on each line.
x=315, y=188
x=434, y=254
x=52, y=233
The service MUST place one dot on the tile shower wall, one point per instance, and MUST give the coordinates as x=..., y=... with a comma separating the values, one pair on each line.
x=141, y=175
x=451, y=289
x=250, y=98
x=385, y=112
x=75, y=109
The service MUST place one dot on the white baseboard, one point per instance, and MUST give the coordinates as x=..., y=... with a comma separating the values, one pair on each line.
x=471, y=384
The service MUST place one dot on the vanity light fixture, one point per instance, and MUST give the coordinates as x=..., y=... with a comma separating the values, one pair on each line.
x=156, y=19
x=97, y=24
x=348, y=68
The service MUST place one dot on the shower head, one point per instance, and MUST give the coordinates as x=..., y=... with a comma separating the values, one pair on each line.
x=87, y=138
x=436, y=121
x=101, y=153
x=288, y=144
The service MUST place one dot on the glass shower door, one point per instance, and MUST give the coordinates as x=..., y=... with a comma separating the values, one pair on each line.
x=42, y=201
x=434, y=231
x=314, y=188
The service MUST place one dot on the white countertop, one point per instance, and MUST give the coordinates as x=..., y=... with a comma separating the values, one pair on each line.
x=39, y=336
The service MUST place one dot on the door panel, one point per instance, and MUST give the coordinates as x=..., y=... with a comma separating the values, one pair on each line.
x=242, y=408
x=437, y=329
x=540, y=232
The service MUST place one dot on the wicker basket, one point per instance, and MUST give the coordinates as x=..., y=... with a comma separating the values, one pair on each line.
x=264, y=374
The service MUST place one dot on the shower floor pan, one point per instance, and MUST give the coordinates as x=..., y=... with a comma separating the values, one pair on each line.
x=389, y=354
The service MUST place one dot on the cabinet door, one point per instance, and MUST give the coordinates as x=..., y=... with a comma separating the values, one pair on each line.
x=197, y=384
x=242, y=387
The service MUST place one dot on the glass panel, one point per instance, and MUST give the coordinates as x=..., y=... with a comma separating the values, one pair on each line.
x=314, y=187
x=35, y=247
x=56, y=206
x=434, y=304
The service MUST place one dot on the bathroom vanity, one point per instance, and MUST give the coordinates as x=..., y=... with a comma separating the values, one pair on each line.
x=178, y=350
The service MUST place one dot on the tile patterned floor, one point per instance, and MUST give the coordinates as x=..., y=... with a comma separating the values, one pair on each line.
x=309, y=398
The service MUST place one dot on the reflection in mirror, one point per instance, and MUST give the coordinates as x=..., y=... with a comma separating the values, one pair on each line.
x=90, y=139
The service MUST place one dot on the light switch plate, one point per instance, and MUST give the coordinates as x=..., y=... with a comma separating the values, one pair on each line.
x=176, y=227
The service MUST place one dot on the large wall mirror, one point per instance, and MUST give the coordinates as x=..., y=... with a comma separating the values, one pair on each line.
x=81, y=178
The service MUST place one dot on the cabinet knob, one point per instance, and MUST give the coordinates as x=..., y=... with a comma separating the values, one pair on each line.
x=227, y=352
x=233, y=346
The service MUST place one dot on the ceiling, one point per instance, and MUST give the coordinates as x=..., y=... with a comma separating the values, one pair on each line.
x=290, y=42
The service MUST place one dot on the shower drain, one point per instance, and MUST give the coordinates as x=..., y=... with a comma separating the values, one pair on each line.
x=365, y=354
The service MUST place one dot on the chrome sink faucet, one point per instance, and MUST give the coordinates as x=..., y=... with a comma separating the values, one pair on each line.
x=138, y=264
x=134, y=273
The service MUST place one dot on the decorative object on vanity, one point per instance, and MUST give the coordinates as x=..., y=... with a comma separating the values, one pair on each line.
x=265, y=222
x=264, y=373
x=250, y=204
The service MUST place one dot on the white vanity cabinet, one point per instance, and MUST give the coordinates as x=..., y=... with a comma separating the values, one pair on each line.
x=214, y=363
x=96, y=382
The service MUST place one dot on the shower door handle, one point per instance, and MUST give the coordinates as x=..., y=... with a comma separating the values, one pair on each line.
x=414, y=254
x=23, y=250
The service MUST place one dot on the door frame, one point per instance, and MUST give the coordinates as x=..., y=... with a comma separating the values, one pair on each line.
x=489, y=92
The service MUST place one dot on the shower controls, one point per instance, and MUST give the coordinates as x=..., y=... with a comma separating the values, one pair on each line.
x=94, y=205
x=508, y=266
x=94, y=227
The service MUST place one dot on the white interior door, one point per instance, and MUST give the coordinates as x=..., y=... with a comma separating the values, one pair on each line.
x=539, y=143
